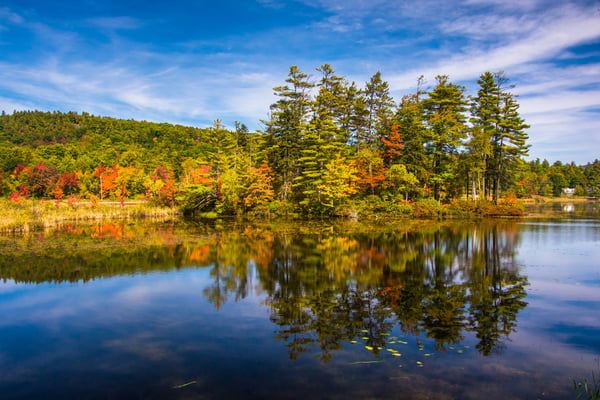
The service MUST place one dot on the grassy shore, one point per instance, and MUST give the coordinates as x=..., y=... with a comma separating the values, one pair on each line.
x=33, y=215
x=30, y=215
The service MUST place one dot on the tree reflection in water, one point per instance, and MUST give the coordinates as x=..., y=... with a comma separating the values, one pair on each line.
x=325, y=283
x=441, y=281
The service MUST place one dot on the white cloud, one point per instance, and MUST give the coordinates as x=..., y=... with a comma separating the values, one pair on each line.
x=571, y=28
x=486, y=26
x=560, y=101
x=12, y=17
x=196, y=82
x=525, y=5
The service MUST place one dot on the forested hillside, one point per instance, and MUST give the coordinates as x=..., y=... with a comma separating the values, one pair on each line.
x=329, y=147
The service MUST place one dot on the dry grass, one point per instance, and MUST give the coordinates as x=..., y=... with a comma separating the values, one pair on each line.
x=31, y=215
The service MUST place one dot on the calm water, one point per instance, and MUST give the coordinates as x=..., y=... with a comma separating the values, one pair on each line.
x=403, y=310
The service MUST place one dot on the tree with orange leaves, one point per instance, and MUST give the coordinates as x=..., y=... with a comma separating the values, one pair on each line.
x=371, y=170
x=259, y=192
x=393, y=145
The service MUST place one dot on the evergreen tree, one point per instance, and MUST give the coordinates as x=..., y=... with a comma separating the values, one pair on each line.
x=495, y=116
x=485, y=118
x=444, y=109
x=410, y=119
x=223, y=145
x=379, y=105
x=592, y=175
x=509, y=144
x=476, y=160
x=321, y=140
x=288, y=119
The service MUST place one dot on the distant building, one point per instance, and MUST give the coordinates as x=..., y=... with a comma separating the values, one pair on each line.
x=568, y=191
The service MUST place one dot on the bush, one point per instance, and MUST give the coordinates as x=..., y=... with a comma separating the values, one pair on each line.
x=426, y=208
x=463, y=207
x=398, y=206
x=507, y=206
x=281, y=208
x=370, y=206
x=347, y=210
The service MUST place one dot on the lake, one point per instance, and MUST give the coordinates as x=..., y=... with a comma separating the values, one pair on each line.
x=409, y=309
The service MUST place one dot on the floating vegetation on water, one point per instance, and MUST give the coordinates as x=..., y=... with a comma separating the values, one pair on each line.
x=366, y=362
x=184, y=385
x=368, y=348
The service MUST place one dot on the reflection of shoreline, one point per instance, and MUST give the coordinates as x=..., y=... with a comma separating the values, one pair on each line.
x=563, y=208
x=325, y=283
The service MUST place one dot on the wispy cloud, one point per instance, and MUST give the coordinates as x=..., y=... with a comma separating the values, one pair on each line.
x=7, y=15
x=551, y=37
x=141, y=73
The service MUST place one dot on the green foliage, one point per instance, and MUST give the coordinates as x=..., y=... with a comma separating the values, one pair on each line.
x=329, y=147
x=370, y=206
x=282, y=208
x=425, y=208
x=398, y=206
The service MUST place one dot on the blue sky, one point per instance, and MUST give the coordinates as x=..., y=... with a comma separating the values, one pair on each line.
x=191, y=62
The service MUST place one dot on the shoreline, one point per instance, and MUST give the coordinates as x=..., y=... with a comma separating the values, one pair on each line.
x=36, y=215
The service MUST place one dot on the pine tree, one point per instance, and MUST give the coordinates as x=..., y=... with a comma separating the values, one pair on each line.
x=410, y=120
x=321, y=140
x=444, y=109
x=288, y=119
x=495, y=116
x=223, y=146
x=485, y=112
x=478, y=152
x=379, y=105
x=510, y=144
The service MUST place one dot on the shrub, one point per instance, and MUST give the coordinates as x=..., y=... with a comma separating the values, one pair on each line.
x=370, y=206
x=507, y=206
x=281, y=208
x=398, y=206
x=463, y=207
x=426, y=208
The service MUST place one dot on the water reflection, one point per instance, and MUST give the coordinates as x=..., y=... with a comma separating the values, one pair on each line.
x=569, y=209
x=324, y=283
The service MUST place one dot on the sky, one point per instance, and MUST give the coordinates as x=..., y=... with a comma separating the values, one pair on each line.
x=191, y=62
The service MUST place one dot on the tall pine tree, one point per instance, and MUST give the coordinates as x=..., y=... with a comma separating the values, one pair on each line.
x=444, y=110
x=288, y=119
x=495, y=118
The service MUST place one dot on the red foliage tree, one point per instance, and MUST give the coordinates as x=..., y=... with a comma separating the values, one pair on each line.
x=393, y=144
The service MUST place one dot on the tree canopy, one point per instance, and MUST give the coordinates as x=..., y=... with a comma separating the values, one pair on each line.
x=327, y=147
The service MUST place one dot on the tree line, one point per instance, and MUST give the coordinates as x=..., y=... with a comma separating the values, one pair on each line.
x=328, y=147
